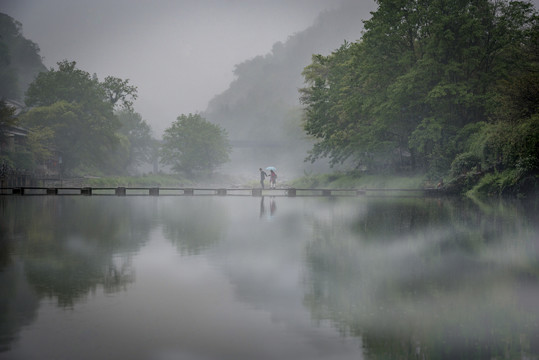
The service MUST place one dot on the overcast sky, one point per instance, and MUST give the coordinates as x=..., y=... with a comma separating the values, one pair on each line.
x=179, y=53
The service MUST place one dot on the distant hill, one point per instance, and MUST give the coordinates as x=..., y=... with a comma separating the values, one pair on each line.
x=20, y=61
x=261, y=109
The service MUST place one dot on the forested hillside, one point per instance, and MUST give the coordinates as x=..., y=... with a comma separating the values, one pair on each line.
x=261, y=109
x=20, y=61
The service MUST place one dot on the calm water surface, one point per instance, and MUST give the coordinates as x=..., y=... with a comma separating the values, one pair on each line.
x=208, y=277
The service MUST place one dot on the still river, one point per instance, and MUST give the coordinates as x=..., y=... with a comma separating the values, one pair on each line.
x=241, y=277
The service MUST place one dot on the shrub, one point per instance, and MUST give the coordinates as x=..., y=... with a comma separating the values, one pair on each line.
x=463, y=163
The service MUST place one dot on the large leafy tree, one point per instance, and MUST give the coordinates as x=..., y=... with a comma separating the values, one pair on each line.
x=423, y=72
x=80, y=112
x=75, y=85
x=192, y=144
x=80, y=138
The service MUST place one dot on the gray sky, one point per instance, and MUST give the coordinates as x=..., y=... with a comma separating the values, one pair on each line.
x=179, y=53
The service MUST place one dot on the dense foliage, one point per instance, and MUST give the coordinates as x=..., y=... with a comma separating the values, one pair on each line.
x=78, y=112
x=193, y=145
x=7, y=117
x=138, y=134
x=431, y=84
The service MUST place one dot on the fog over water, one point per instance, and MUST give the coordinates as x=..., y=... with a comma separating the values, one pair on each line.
x=245, y=277
x=178, y=53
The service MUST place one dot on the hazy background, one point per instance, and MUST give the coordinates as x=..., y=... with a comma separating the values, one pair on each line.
x=179, y=53
x=237, y=62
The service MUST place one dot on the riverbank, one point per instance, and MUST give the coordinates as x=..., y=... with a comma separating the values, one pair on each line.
x=349, y=181
x=502, y=184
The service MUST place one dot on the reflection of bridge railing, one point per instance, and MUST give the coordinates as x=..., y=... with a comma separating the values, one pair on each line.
x=169, y=191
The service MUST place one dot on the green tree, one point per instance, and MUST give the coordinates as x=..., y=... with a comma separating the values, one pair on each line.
x=81, y=138
x=119, y=91
x=334, y=112
x=70, y=84
x=422, y=72
x=80, y=112
x=139, y=136
x=193, y=144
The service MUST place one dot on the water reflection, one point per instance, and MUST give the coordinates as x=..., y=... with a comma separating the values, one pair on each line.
x=348, y=278
x=63, y=250
x=411, y=283
x=272, y=207
x=195, y=225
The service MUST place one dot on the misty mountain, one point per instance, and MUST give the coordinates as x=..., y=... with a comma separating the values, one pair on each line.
x=20, y=61
x=261, y=110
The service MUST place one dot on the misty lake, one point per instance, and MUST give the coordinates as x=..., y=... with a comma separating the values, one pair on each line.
x=241, y=277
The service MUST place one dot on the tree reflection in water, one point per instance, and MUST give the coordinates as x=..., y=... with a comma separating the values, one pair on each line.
x=412, y=284
x=50, y=251
x=399, y=277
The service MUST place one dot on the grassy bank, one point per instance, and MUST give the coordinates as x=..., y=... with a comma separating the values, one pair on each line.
x=159, y=180
x=351, y=181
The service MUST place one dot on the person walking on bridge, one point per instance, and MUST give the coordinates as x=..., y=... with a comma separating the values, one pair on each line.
x=273, y=177
x=263, y=176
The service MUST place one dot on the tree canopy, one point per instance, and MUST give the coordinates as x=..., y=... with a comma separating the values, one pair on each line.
x=192, y=144
x=426, y=78
x=138, y=134
x=79, y=111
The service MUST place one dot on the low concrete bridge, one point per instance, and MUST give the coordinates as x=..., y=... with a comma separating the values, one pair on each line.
x=183, y=191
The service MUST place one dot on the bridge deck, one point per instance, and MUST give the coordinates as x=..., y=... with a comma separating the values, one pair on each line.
x=186, y=191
